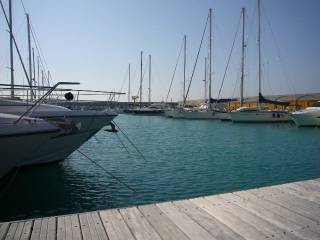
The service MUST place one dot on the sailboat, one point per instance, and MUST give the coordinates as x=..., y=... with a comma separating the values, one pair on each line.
x=259, y=114
x=190, y=112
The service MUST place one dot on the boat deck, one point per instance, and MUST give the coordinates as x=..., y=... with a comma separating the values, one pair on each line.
x=288, y=211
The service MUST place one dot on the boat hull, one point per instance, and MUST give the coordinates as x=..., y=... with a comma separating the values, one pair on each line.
x=16, y=150
x=223, y=116
x=260, y=116
x=60, y=147
x=144, y=111
x=306, y=119
x=205, y=115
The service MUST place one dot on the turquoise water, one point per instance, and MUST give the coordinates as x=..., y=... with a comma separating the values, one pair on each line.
x=184, y=158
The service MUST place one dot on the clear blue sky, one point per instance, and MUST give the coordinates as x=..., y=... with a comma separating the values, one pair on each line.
x=94, y=41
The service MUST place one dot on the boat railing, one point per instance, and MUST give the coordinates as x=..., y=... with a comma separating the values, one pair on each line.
x=42, y=98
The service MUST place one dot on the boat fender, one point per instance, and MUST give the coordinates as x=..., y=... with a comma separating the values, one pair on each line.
x=68, y=96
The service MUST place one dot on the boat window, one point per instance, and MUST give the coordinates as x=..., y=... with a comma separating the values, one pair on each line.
x=278, y=115
x=317, y=104
x=273, y=115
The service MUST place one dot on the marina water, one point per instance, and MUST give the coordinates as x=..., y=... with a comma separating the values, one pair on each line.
x=183, y=159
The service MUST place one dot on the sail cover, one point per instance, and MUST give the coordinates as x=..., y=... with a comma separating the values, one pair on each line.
x=262, y=99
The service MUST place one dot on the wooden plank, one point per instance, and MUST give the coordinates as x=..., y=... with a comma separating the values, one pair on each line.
x=115, y=226
x=44, y=228
x=280, y=210
x=61, y=228
x=18, y=232
x=207, y=221
x=97, y=226
x=192, y=229
x=138, y=225
x=300, y=192
x=51, y=232
x=161, y=223
x=75, y=227
x=85, y=226
x=301, y=206
x=4, y=227
x=271, y=230
x=234, y=222
x=12, y=230
x=26, y=231
x=310, y=185
x=289, y=227
x=35, y=234
x=67, y=233
x=93, y=232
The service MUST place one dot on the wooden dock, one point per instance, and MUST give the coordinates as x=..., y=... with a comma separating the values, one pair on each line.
x=288, y=211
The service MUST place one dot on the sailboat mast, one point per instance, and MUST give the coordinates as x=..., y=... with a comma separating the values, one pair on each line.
x=259, y=46
x=141, y=79
x=34, y=70
x=29, y=55
x=129, y=87
x=210, y=56
x=11, y=49
x=149, y=97
x=242, y=58
x=184, y=67
x=205, y=79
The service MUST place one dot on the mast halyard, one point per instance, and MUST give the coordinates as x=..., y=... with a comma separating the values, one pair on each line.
x=210, y=57
x=184, y=68
x=259, y=46
x=129, y=87
x=11, y=49
x=242, y=57
x=140, y=90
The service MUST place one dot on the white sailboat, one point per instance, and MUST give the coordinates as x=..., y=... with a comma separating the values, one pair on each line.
x=194, y=112
x=257, y=115
x=309, y=117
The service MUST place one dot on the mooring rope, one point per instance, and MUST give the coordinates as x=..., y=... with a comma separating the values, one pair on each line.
x=129, y=140
x=106, y=171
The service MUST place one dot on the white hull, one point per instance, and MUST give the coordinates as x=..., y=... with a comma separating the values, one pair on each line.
x=224, y=116
x=62, y=146
x=307, y=118
x=260, y=116
x=18, y=149
x=177, y=113
x=19, y=140
x=81, y=126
